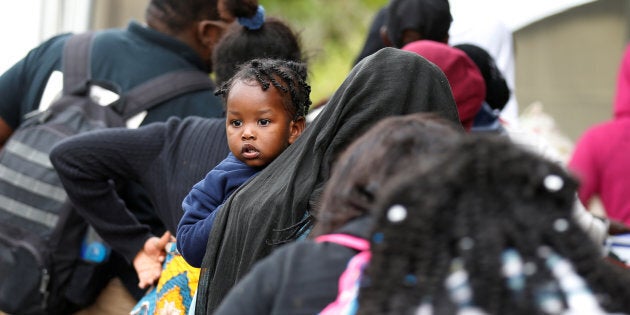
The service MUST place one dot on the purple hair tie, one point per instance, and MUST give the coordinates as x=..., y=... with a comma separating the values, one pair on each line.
x=256, y=21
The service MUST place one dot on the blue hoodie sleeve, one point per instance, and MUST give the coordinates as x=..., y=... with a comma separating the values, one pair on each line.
x=201, y=205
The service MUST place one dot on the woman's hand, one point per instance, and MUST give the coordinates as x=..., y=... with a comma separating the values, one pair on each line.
x=148, y=262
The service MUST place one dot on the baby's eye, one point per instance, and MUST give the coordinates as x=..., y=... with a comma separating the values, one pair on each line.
x=264, y=122
x=236, y=123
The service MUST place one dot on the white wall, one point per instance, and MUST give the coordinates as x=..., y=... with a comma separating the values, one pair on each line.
x=26, y=23
x=516, y=14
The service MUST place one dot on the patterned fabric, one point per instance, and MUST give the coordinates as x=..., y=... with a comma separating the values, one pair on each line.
x=175, y=289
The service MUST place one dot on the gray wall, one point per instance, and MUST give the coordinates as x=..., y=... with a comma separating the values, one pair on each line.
x=569, y=63
x=116, y=13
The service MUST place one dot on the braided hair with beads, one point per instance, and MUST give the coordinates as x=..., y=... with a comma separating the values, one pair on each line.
x=486, y=228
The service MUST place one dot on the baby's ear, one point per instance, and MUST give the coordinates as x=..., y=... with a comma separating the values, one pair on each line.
x=295, y=128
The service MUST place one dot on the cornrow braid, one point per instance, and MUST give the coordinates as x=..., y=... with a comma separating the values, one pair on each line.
x=482, y=201
x=288, y=77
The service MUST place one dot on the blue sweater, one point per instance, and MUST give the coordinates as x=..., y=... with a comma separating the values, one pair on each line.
x=202, y=203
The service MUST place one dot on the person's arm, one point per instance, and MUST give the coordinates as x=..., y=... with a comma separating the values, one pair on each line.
x=22, y=85
x=202, y=204
x=148, y=262
x=5, y=132
x=583, y=164
x=617, y=227
x=14, y=87
x=88, y=163
x=199, y=212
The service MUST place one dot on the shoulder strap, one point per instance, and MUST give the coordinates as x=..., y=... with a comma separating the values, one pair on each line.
x=76, y=62
x=163, y=88
x=349, y=280
x=346, y=240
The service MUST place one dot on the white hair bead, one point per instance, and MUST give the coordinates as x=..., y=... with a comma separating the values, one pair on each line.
x=396, y=213
x=553, y=182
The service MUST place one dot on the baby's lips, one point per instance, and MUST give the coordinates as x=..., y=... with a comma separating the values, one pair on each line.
x=249, y=151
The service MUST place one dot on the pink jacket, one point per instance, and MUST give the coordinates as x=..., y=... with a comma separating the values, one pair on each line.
x=601, y=159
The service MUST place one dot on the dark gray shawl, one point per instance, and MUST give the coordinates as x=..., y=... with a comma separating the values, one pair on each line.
x=264, y=212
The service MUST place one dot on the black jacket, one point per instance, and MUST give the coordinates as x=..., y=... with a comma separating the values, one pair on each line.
x=166, y=158
x=299, y=278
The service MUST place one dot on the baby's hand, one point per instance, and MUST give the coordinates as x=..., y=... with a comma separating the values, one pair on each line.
x=148, y=262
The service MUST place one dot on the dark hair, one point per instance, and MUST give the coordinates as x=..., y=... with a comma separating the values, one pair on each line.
x=393, y=145
x=484, y=204
x=275, y=39
x=178, y=14
x=431, y=19
x=497, y=90
x=373, y=41
x=240, y=8
x=288, y=77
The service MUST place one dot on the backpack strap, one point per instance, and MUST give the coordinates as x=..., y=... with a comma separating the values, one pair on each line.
x=75, y=64
x=349, y=280
x=77, y=74
x=163, y=88
x=346, y=240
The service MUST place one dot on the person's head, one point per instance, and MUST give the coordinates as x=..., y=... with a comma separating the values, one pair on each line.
x=465, y=79
x=266, y=104
x=374, y=40
x=487, y=226
x=392, y=146
x=194, y=22
x=497, y=90
x=412, y=20
x=274, y=39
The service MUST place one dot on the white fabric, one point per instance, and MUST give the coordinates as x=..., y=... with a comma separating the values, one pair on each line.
x=595, y=227
x=486, y=30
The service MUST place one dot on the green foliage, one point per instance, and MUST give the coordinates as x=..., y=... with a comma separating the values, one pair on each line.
x=332, y=33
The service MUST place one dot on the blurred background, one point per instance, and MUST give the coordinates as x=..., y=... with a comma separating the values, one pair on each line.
x=567, y=52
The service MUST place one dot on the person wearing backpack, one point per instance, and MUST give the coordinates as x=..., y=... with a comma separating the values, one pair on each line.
x=301, y=278
x=178, y=35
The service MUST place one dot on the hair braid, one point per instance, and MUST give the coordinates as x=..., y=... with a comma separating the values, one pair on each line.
x=470, y=205
x=288, y=77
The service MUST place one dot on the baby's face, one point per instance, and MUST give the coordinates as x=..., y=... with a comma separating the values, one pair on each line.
x=258, y=126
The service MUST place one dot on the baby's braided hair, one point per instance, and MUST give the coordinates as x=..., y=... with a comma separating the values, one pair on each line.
x=288, y=77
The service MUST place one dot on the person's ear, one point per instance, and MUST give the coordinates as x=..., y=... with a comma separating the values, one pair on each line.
x=296, y=128
x=384, y=38
x=209, y=32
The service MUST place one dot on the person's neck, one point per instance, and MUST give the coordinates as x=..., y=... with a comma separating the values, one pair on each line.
x=155, y=20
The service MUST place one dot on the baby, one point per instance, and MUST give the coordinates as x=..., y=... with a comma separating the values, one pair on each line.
x=266, y=103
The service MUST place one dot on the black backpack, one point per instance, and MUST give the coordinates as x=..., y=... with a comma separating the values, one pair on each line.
x=40, y=234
